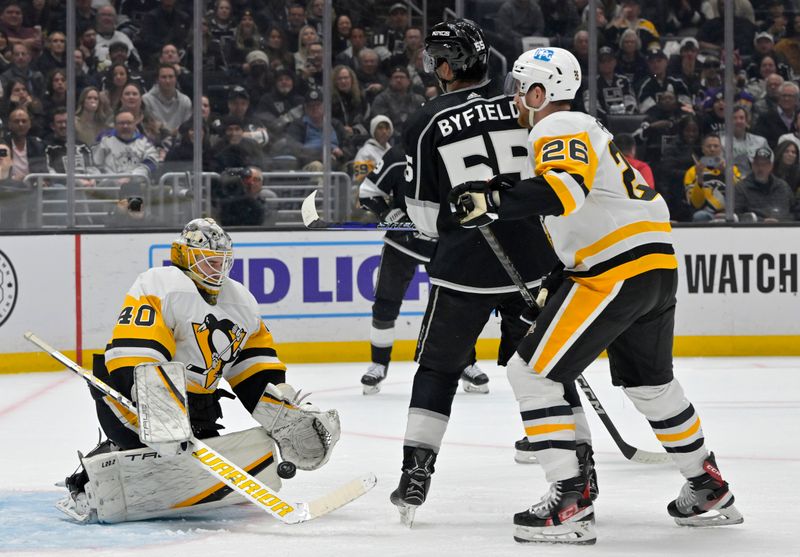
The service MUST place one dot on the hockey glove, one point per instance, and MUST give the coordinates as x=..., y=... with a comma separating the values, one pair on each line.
x=394, y=216
x=304, y=434
x=476, y=203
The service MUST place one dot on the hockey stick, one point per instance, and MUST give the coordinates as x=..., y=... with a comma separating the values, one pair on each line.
x=225, y=470
x=628, y=451
x=312, y=220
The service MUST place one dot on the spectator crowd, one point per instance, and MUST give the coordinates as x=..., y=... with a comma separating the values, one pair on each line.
x=659, y=67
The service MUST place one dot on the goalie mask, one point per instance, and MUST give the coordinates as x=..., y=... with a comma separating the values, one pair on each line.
x=555, y=69
x=462, y=45
x=204, y=252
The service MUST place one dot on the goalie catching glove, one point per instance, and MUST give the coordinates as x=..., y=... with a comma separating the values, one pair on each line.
x=476, y=203
x=304, y=434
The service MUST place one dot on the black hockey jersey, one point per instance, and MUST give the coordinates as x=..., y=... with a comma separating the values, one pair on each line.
x=387, y=182
x=457, y=137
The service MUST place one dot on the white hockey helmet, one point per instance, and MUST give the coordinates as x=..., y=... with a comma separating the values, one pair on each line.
x=204, y=251
x=555, y=69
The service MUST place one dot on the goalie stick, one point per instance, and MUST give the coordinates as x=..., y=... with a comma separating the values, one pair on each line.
x=628, y=451
x=234, y=476
x=312, y=220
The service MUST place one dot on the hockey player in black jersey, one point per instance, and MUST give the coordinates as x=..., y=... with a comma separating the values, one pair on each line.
x=382, y=194
x=467, y=133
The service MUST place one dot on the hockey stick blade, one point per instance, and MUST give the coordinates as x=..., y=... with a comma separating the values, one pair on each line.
x=231, y=474
x=313, y=221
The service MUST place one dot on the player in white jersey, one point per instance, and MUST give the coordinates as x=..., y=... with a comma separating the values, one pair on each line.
x=612, y=233
x=192, y=312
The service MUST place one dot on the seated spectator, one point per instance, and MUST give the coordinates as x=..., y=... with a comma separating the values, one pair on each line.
x=370, y=78
x=146, y=124
x=659, y=128
x=180, y=157
x=342, y=26
x=215, y=69
x=764, y=45
x=107, y=34
x=27, y=151
x=56, y=95
x=221, y=23
x=238, y=198
x=712, y=118
x=705, y=182
x=630, y=61
x=258, y=76
x=794, y=135
x=762, y=193
x=11, y=22
x=659, y=81
x=303, y=138
x=165, y=102
x=233, y=150
x=685, y=66
x=614, y=91
x=170, y=55
x=788, y=47
x=18, y=96
x=125, y=150
x=283, y=104
x=387, y=39
x=246, y=39
x=55, y=150
x=517, y=19
x=745, y=144
x=413, y=42
x=775, y=22
x=91, y=117
x=118, y=53
x=311, y=74
x=711, y=34
x=348, y=104
x=167, y=24
x=239, y=107
x=787, y=164
x=279, y=56
x=356, y=42
x=629, y=18
x=368, y=156
x=315, y=12
x=307, y=36
x=676, y=159
x=779, y=121
x=626, y=144
x=54, y=56
x=398, y=102
x=16, y=198
x=580, y=48
x=295, y=21
x=710, y=80
x=21, y=69
x=112, y=82
x=87, y=40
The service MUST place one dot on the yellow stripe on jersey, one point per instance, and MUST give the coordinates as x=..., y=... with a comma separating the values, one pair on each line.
x=197, y=389
x=140, y=328
x=630, y=269
x=573, y=154
x=563, y=193
x=561, y=331
x=617, y=236
x=548, y=428
x=252, y=370
x=672, y=437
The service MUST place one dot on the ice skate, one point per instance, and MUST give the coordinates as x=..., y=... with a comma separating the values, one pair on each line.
x=523, y=453
x=474, y=380
x=414, y=485
x=586, y=462
x=564, y=515
x=373, y=378
x=706, y=493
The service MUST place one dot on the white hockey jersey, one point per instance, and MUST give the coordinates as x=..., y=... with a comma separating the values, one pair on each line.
x=164, y=318
x=614, y=225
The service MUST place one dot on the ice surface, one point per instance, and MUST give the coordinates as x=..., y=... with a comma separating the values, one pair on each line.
x=750, y=409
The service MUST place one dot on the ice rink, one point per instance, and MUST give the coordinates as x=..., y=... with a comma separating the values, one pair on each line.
x=750, y=409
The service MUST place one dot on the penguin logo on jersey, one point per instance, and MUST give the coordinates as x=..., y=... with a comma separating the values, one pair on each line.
x=8, y=288
x=220, y=342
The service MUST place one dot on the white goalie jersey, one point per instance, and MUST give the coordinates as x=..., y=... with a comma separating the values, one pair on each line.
x=614, y=225
x=164, y=318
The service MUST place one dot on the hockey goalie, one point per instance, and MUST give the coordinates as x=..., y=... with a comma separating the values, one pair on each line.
x=181, y=330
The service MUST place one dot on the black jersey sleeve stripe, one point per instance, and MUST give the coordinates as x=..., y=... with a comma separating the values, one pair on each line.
x=141, y=343
x=255, y=352
x=630, y=255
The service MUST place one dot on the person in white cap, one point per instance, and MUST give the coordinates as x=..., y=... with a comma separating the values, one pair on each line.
x=368, y=156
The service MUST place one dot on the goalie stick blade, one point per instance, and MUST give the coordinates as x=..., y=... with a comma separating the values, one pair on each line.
x=335, y=499
x=313, y=221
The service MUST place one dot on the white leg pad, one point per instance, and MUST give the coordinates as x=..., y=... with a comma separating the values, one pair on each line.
x=140, y=484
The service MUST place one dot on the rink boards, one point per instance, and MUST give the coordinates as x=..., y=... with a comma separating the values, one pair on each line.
x=738, y=292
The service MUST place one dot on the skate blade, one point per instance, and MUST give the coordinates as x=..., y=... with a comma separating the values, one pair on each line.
x=575, y=533
x=723, y=517
x=525, y=457
x=407, y=513
x=470, y=387
x=371, y=389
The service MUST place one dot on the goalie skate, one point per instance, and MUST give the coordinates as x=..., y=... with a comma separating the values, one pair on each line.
x=372, y=379
x=564, y=515
x=474, y=380
x=705, y=500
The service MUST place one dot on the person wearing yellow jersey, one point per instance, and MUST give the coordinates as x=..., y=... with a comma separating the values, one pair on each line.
x=611, y=231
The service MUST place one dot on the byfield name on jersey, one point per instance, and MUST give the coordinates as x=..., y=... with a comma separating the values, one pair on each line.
x=504, y=109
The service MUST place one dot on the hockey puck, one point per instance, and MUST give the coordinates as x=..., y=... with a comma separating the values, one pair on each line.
x=287, y=470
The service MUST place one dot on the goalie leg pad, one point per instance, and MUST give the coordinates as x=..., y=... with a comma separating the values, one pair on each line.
x=160, y=394
x=305, y=434
x=140, y=484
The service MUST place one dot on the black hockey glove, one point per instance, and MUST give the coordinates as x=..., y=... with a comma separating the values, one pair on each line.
x=475, y=203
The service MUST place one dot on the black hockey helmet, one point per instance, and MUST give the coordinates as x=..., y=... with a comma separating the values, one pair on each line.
x=460, y=43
